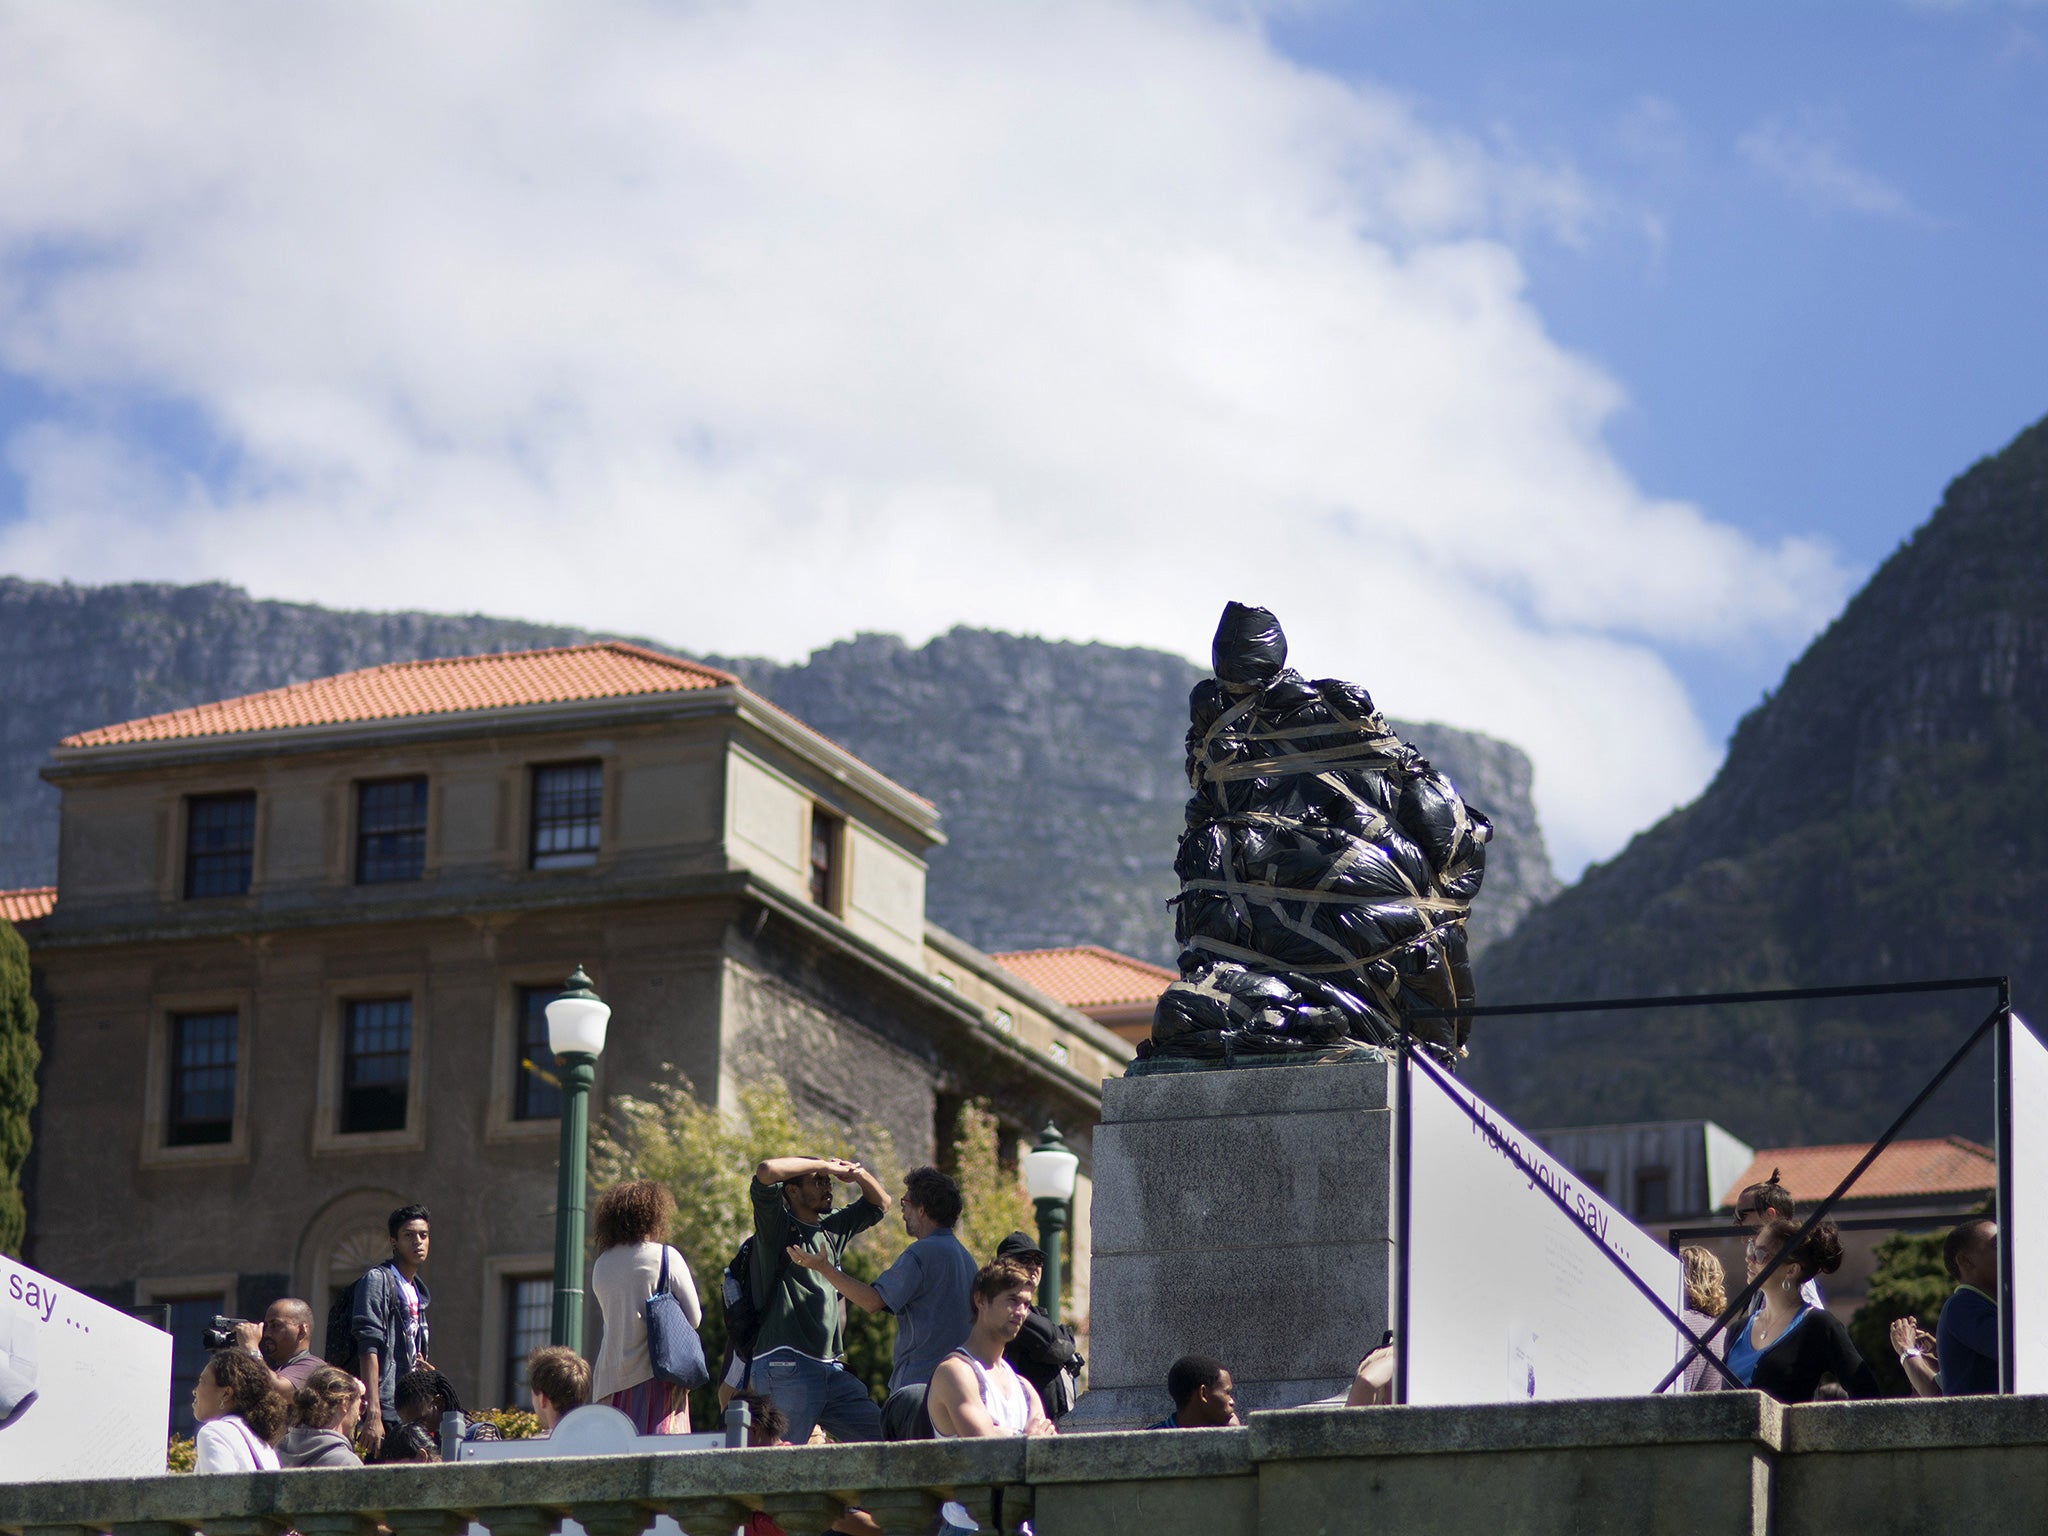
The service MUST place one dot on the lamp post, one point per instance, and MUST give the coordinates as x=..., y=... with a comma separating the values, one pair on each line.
x=1049, y=1170
x=576, y=1025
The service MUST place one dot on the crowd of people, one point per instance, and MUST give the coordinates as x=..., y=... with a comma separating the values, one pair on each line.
x=974, y=1355
x=1789, y=1345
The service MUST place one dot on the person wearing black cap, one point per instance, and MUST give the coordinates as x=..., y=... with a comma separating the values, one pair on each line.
x=1043, y=1352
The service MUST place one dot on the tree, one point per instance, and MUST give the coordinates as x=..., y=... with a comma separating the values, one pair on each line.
x=993, y=1202
x=706, y=1158
x=19, y=1057
x=1910, y=1280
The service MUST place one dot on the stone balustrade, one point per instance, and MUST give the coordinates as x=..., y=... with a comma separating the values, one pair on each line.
x=1725, y=1462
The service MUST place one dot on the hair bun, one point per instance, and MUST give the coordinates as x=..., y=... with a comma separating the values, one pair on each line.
x=1823, y=1250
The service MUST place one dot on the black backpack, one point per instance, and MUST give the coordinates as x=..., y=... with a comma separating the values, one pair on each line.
x=341, y=1329
x=742, y=1315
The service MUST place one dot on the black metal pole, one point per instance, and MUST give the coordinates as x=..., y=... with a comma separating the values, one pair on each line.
x=1712, y=999
x=1404, y=1175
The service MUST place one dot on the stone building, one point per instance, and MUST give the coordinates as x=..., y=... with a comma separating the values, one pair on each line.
x=293, y=973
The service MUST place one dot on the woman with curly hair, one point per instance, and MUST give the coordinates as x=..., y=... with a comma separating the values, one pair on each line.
x=330, y=1404
x=1706, y=1298
x=631, y=1222
x=242, y=1410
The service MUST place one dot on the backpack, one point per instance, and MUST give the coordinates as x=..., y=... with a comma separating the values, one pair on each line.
x=742, y=1315
x=341, y=1329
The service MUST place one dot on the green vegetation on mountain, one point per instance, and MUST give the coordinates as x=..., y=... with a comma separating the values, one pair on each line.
x=1878, y=819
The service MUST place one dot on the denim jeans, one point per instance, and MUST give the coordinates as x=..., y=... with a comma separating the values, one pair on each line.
x=810, y=1392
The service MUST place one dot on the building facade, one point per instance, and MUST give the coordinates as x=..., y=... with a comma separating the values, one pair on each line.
x=294, y=969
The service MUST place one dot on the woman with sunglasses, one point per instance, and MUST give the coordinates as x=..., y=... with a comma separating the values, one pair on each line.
x=1786, y=1347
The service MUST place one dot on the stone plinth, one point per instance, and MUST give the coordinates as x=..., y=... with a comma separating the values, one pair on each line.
x=1242, y=1213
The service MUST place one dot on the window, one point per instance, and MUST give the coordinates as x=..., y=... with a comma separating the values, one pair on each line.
x=1594, y=1179
x=391, y=830
x=186, y=1317
x=824, y=856
x=202, y=1079
x=1653, y=1194
x=220, y=844
x=566, y=801
x=1006, y=1021
x=376, y=1064
x=536, y=1092
x=529, y=1319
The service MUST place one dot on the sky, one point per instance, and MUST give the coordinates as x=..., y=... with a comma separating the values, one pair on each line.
x=1557, y=371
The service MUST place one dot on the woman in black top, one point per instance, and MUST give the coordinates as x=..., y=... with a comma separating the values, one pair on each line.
x=1786, y=1347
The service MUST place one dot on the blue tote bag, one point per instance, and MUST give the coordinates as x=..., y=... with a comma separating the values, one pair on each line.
x=673, y=1348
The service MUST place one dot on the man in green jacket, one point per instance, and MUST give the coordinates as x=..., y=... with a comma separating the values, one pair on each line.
x=803, y=1324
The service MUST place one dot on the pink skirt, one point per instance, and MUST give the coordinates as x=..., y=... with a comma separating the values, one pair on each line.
x=655, y=1407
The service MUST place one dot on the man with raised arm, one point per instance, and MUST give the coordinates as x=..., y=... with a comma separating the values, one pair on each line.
x=803, y=1325
x=975, y=1393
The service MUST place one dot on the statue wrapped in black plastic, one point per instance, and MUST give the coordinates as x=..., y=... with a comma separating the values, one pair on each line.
x=1326, y=871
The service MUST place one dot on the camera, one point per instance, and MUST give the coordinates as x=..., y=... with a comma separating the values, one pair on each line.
x=223, y=1333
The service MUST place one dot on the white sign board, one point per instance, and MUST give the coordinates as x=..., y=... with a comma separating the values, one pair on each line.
x=85, y=1390
x=1511, y=1297
x=2023, y=1225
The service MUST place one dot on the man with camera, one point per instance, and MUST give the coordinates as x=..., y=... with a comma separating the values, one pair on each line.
x=390, y=1321
x=284, y=1339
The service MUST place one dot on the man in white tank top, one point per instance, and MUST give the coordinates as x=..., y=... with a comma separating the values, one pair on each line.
x=974, y=1393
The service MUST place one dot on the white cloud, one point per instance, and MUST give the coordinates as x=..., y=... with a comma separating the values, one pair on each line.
x=747, y=328
x=1804, y=156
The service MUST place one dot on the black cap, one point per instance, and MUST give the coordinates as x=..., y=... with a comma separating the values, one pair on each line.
x=1021, y=1245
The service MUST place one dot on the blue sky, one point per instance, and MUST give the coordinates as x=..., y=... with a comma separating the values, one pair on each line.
x=1556, y=370
x=1817, y=340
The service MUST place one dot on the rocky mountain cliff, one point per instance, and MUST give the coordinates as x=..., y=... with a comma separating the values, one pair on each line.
x=1877, y=819
x=1057, y=766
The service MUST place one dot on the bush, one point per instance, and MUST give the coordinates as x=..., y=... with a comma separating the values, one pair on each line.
x=181, y=1454
x=512, y=1423
x=707, y=1158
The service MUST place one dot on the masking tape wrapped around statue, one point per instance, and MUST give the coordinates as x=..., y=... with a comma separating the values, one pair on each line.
x=1326, y=871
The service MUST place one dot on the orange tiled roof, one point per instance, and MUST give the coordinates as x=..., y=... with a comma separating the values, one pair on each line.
x=27, y=905
x=1087, y=975
x=449, y=685
x=1947, y=1166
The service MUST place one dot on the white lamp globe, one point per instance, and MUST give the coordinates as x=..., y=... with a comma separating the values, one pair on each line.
x=577, y=1019
x=1049, y=1168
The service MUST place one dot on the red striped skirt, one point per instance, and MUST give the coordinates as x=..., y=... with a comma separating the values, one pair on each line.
x=655, y=1407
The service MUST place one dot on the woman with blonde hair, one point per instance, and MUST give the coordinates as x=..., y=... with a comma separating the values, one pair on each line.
x=1706, y=1298
x=631, y=1229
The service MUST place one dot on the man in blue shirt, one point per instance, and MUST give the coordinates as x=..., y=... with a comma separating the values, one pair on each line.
x=1966, y=1338
x=926, y=1289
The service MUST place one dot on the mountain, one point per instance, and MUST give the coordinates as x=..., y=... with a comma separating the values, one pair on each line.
x=1877, y=819
x=1057, y=766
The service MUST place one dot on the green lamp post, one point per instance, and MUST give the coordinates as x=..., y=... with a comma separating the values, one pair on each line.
x=1049, y=1170
x=576, y=1025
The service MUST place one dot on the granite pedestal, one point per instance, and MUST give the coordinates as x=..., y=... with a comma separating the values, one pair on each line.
x=1243, y=1213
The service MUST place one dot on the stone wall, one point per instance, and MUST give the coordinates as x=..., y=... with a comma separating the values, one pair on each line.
x=1716, y=1464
